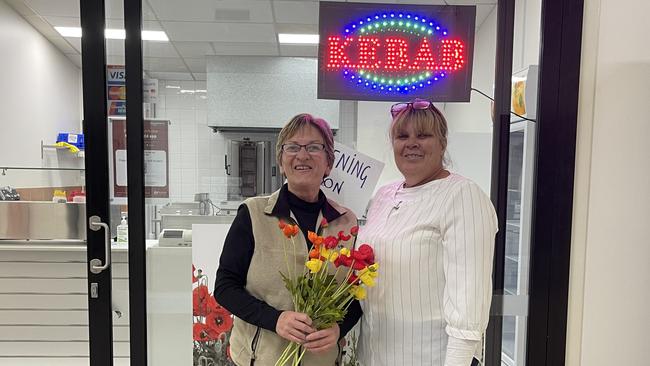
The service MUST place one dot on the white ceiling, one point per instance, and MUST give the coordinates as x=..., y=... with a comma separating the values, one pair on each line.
x=198, y=28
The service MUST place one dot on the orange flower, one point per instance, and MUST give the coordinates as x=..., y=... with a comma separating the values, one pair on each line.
x=314, y=253
x=290, y=230
x=282, y=224
x=314, y=238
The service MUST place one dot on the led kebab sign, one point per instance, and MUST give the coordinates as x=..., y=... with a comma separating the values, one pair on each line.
x=395, y=55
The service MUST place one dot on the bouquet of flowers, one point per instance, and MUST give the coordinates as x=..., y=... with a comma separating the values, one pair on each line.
x=212, y=325
x=315, y=290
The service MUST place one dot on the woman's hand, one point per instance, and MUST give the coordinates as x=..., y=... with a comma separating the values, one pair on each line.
x=322, y=340
x=294, y=326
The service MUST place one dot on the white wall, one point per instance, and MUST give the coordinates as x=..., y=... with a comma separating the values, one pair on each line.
x=470, y=126
x=39, y=97
x=610, y=255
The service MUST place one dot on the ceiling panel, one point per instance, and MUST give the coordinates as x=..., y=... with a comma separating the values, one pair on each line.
x=211, y=10
x=42, y=26
x=298, y=50
x=75, y=42
x=196, y=64
x=194, y=49
x=296, y=12
x=163, y=64
x=158, y=49
x=296, y=28
x=482, y=13
x=219, y=32
x=59, y=21
x=63, y=8
x=171, y=75
x=245, y=49
x=200, y=76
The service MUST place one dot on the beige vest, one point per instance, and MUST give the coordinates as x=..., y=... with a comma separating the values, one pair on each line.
x=264, y=282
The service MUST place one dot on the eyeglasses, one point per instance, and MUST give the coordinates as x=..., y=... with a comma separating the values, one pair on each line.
x=293, y=149
x=395, y=109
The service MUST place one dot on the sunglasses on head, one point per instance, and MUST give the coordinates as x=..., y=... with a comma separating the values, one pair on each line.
x=395, y=109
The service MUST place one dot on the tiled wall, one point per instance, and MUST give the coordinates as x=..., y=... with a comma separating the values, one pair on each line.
x=196, y=154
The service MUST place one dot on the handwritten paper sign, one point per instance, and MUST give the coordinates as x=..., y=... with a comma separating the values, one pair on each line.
x=353, y=178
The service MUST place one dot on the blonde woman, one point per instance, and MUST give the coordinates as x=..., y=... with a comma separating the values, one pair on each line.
x=433, y=233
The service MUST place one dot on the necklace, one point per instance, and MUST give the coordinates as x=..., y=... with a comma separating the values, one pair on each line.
x=433, y=177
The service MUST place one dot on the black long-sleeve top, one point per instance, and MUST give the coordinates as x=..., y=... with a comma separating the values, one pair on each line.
x=230, y=284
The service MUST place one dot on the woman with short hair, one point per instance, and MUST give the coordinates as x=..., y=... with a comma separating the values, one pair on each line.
x=248, y=281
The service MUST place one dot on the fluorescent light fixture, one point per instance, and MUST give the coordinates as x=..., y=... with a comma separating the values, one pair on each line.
x=75, y=32
x=69, y=31
x=172, y=87
x=201, y=91
x=154, y=36
x=288, y=38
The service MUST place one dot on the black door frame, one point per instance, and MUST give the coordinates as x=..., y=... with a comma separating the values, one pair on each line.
x=93, y=59
x=557, y=111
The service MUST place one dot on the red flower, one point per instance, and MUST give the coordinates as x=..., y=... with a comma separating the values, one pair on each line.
x=364, y=253
x=354, y=230
x=330, y=242
x=323, y=223
x=194, y=279
x=353, y=279
x=218, y=322
x=281, y=224
x=200, y=332
x=200, y=296
x=359, y=264
x=343, y=237
x=343, y=260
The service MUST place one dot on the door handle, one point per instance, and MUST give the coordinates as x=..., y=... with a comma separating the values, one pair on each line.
x=95, y=224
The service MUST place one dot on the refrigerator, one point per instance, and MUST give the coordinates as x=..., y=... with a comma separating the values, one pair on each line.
x=521, y=163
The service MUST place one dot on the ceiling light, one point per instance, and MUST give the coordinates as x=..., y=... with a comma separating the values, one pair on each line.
x=148, y=35
x=288, y=38
x=172, y=87
x=75, y=32
x=69, y=31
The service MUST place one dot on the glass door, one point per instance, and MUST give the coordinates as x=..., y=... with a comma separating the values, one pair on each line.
x=219, y=68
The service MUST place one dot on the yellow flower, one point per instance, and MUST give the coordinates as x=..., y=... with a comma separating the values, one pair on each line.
x=314, y=265
x=345, y=252
x=367, y=278
x=374, y=267
x=358, y=291
x=329, y=254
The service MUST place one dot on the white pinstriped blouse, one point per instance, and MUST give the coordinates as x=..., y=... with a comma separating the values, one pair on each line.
x=434, y=244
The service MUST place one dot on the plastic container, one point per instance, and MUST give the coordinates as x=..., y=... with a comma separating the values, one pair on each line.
x=123, y=230
x=76, y=139
x=59, y=196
